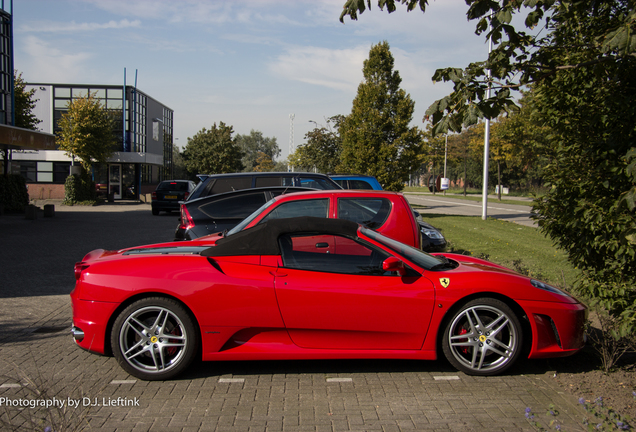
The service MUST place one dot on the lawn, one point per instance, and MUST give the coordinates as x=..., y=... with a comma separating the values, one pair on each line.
x=515, y=246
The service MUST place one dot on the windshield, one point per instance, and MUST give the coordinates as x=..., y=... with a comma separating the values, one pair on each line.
x=422, y=259
x=245, y=222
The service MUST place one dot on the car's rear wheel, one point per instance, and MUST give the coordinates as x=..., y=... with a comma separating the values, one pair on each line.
x=155, y=212
x=483, y=338
x=154, y=339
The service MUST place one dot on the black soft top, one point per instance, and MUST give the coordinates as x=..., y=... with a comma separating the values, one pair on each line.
x=262, y=239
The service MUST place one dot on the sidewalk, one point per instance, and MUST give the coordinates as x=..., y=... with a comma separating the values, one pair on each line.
x=370, y=395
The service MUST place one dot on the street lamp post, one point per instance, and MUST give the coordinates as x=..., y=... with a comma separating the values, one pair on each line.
x=484, y=193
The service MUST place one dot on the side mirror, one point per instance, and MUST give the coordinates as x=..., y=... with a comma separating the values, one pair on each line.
x=394, y=264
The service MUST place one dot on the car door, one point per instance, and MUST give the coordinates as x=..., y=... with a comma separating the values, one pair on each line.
x=338, y=297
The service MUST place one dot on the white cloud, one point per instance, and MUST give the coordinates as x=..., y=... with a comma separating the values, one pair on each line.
x=72, y=27
x=336, y=69
x=49, y=64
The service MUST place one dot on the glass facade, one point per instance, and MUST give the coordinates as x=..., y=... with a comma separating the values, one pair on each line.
x=110, y=98
x=6, y=68
x=136, y=120
x=168, y=170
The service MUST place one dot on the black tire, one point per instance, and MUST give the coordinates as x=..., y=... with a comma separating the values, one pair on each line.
x=484, y=337
x=154, y=339
x=155, y=212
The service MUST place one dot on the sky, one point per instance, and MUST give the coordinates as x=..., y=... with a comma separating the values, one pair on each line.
x=247, y=63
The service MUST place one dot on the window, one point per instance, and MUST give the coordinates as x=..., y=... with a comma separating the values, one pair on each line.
x=228, y=184
x=359, y=184
x=314, y=207
x=234, y=207
x=28, y=170
x=370, y=212
x=332, y=254
x=45, y=171
x=316, y=183
x=61, y=171
x=268, y=181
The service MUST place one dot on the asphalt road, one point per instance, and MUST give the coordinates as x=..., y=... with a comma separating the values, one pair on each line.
x=441, y=204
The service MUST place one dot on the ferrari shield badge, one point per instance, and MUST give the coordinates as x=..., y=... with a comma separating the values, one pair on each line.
x=445, y=282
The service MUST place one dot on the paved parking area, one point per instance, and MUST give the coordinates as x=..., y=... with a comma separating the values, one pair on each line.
x=39, y=363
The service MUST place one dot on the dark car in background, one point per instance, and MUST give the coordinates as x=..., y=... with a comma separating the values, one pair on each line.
x=432, y=238
x=221, y=183
x=168, y=194
x=223, y=211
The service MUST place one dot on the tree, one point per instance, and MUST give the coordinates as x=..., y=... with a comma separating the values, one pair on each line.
x=582, y=66
x=213, y=151
x=376, y=137
x=254, y=144
x=24, y=104
x=23, y=109
x=322, y=149
x=264, y=163
x=178, y=163
x=86, y=131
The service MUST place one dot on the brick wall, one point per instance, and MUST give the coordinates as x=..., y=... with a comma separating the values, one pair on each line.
x=39, y=191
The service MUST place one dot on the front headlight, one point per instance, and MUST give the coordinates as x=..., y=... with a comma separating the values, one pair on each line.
x=432, y=234
x=550, y=288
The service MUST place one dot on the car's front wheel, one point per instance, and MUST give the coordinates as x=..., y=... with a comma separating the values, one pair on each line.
x=154, y=339
x=483, y=338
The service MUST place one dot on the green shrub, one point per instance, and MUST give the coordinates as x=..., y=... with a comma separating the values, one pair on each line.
x=13, y=192
x=79, y=189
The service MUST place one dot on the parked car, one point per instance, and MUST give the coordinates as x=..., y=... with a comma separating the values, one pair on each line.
x=220, y=212
x=350, y=181
x=313, y=288
x=386, y=212
x=220, y=183
x=432, y=238
x=168, y=194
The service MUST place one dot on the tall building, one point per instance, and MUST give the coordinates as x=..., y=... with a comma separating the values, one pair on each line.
x=144, y=133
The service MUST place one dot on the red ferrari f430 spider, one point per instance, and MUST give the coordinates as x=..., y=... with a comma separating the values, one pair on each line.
x=314, y=288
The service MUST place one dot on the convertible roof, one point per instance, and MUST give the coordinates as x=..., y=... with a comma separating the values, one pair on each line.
x=262, y=239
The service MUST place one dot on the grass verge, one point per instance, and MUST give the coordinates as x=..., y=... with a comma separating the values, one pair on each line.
x=506, y=243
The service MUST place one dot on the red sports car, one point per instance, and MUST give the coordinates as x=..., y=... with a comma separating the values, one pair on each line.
x=313, y=288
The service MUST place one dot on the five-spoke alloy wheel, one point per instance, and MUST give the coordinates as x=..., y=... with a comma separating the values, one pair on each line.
x=154, y=339
x=483, y=338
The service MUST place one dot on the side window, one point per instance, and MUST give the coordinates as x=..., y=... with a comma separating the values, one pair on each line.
x=332, y=254
x=359, y=184
x=370, y=212
x=268, y=181
x=228, y=184
x=238, y=207
x=315, y=183
x=315, y=207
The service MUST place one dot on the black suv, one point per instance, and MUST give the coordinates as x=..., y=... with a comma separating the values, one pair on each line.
x=220, y=183
x=221, y=201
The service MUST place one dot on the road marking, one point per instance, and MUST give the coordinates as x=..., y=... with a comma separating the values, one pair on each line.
x=474, y=205
x=117, y=382
x=231, y=380
x=10, y=385
x=339, y=379
x=446, y=378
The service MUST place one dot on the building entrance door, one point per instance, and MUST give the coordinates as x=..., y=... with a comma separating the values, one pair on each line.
x=114, y=178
